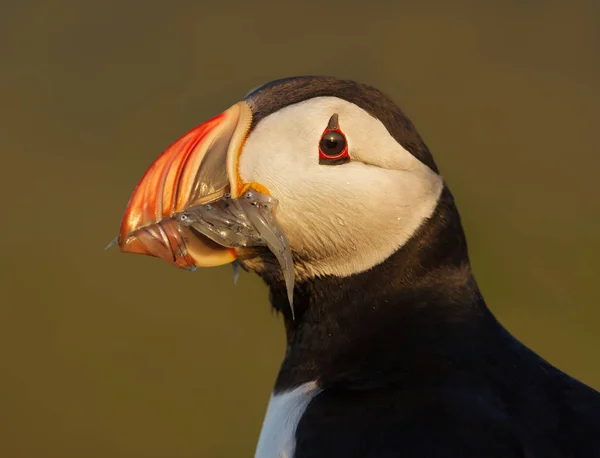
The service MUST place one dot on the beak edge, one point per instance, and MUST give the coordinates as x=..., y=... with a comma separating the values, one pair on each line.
x=201, y=163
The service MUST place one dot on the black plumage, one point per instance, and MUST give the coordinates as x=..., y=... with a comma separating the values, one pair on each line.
x=411, y=361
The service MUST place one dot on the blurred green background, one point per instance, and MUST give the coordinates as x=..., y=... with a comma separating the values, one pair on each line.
x=109, y=355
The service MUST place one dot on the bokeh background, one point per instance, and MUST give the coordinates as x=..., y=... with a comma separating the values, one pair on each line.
x=110, y=355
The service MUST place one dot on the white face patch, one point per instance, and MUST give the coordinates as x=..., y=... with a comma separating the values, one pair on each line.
x=339, y=219
x=278, y=434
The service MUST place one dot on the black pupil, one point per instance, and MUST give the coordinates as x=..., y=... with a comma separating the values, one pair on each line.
x=332, y=143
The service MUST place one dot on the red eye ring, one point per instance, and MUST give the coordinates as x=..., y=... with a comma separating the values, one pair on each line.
x=333, y=146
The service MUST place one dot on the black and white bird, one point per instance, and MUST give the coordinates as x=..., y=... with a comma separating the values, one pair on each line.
x=391, y=350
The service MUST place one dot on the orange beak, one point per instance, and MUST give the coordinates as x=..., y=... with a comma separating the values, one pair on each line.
x=198, y=168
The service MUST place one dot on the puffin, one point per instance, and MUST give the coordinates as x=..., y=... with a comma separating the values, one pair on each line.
x=324, y=188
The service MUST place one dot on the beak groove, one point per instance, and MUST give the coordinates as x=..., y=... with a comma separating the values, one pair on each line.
x=194, y=169
x=192, y=209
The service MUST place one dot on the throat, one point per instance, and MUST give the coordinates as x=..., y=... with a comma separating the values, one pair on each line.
x=346, y=333
x=409, y=319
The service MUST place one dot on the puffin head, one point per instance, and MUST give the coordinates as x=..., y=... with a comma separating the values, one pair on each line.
x=351, y=176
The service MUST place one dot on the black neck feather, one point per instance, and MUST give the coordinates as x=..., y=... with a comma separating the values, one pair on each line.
x=419, y=313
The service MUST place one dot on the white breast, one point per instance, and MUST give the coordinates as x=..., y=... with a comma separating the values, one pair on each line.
x=277, y=438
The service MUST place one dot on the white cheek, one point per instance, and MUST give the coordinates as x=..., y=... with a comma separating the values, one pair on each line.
x=340, y=219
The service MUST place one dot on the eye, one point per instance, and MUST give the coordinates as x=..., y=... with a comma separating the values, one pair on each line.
x=332, y=143
x=333, y=146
